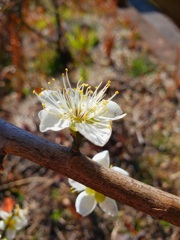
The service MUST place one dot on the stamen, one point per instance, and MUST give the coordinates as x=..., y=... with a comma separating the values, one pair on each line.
x=67, y=78
x=72, y=190
x=116, y=93
x=64, y=81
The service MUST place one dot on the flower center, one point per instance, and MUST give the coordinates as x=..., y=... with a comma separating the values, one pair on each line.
x=10, y=222
x=98, y=196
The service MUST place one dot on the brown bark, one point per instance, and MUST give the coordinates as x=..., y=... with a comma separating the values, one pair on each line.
x=155, y=202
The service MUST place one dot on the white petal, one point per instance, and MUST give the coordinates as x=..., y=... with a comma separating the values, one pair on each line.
x=120, y=170
x=95, y=133
x=52, y=121
x=114, y=111
x=85, y=203
x=20, y=223
x=76, y=185
x=102, y=158
x=10, y=234
x=4, y=214
x=22, y=215
x=2, y=225
x=109, y=206
x=119, y=117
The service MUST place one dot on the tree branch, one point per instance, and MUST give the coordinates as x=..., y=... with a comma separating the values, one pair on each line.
x=155, y=202
x=38, y=33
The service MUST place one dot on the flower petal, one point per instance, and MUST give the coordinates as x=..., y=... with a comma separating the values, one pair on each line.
x=109, y=206
x=2, y=225
x=10, y=234
x=114, y=111
x=102, y=158
x=120, y=170
x=95, y=133
x=76, y=185
x=52, y=121
x=85, y=203
x=4, y=214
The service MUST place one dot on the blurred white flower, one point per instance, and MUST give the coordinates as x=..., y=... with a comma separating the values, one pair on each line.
x=80, y=109
x=88, y=199
x=13, y=222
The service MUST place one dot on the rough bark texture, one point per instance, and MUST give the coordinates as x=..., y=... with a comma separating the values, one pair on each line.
x=155, y=202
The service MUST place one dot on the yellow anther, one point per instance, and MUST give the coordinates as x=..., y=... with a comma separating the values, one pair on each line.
x=43, y=105
x=72, y=189
x=116, y=92
x=89, y=191
x=99, y=197
x=40, y=94
x=66, y=69
x=53, y=79
x=34, y=92
x=109, y=126
x=109, y=82
x=54, y=94
x=104, y=102
x=49, y=83
x=42, y=89
x=63, y=74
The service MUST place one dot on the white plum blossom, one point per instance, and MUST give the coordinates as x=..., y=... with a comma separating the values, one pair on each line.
x=13, y=221
x=80, y=109
x=88, y=199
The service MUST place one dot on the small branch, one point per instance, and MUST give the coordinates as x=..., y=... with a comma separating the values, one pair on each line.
x=77, y=139
x=155, y=202
x=2, y=156
x=58, y=21
x=38, y=33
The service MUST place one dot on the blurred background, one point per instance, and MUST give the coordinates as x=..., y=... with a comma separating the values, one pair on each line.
x=99, y=41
